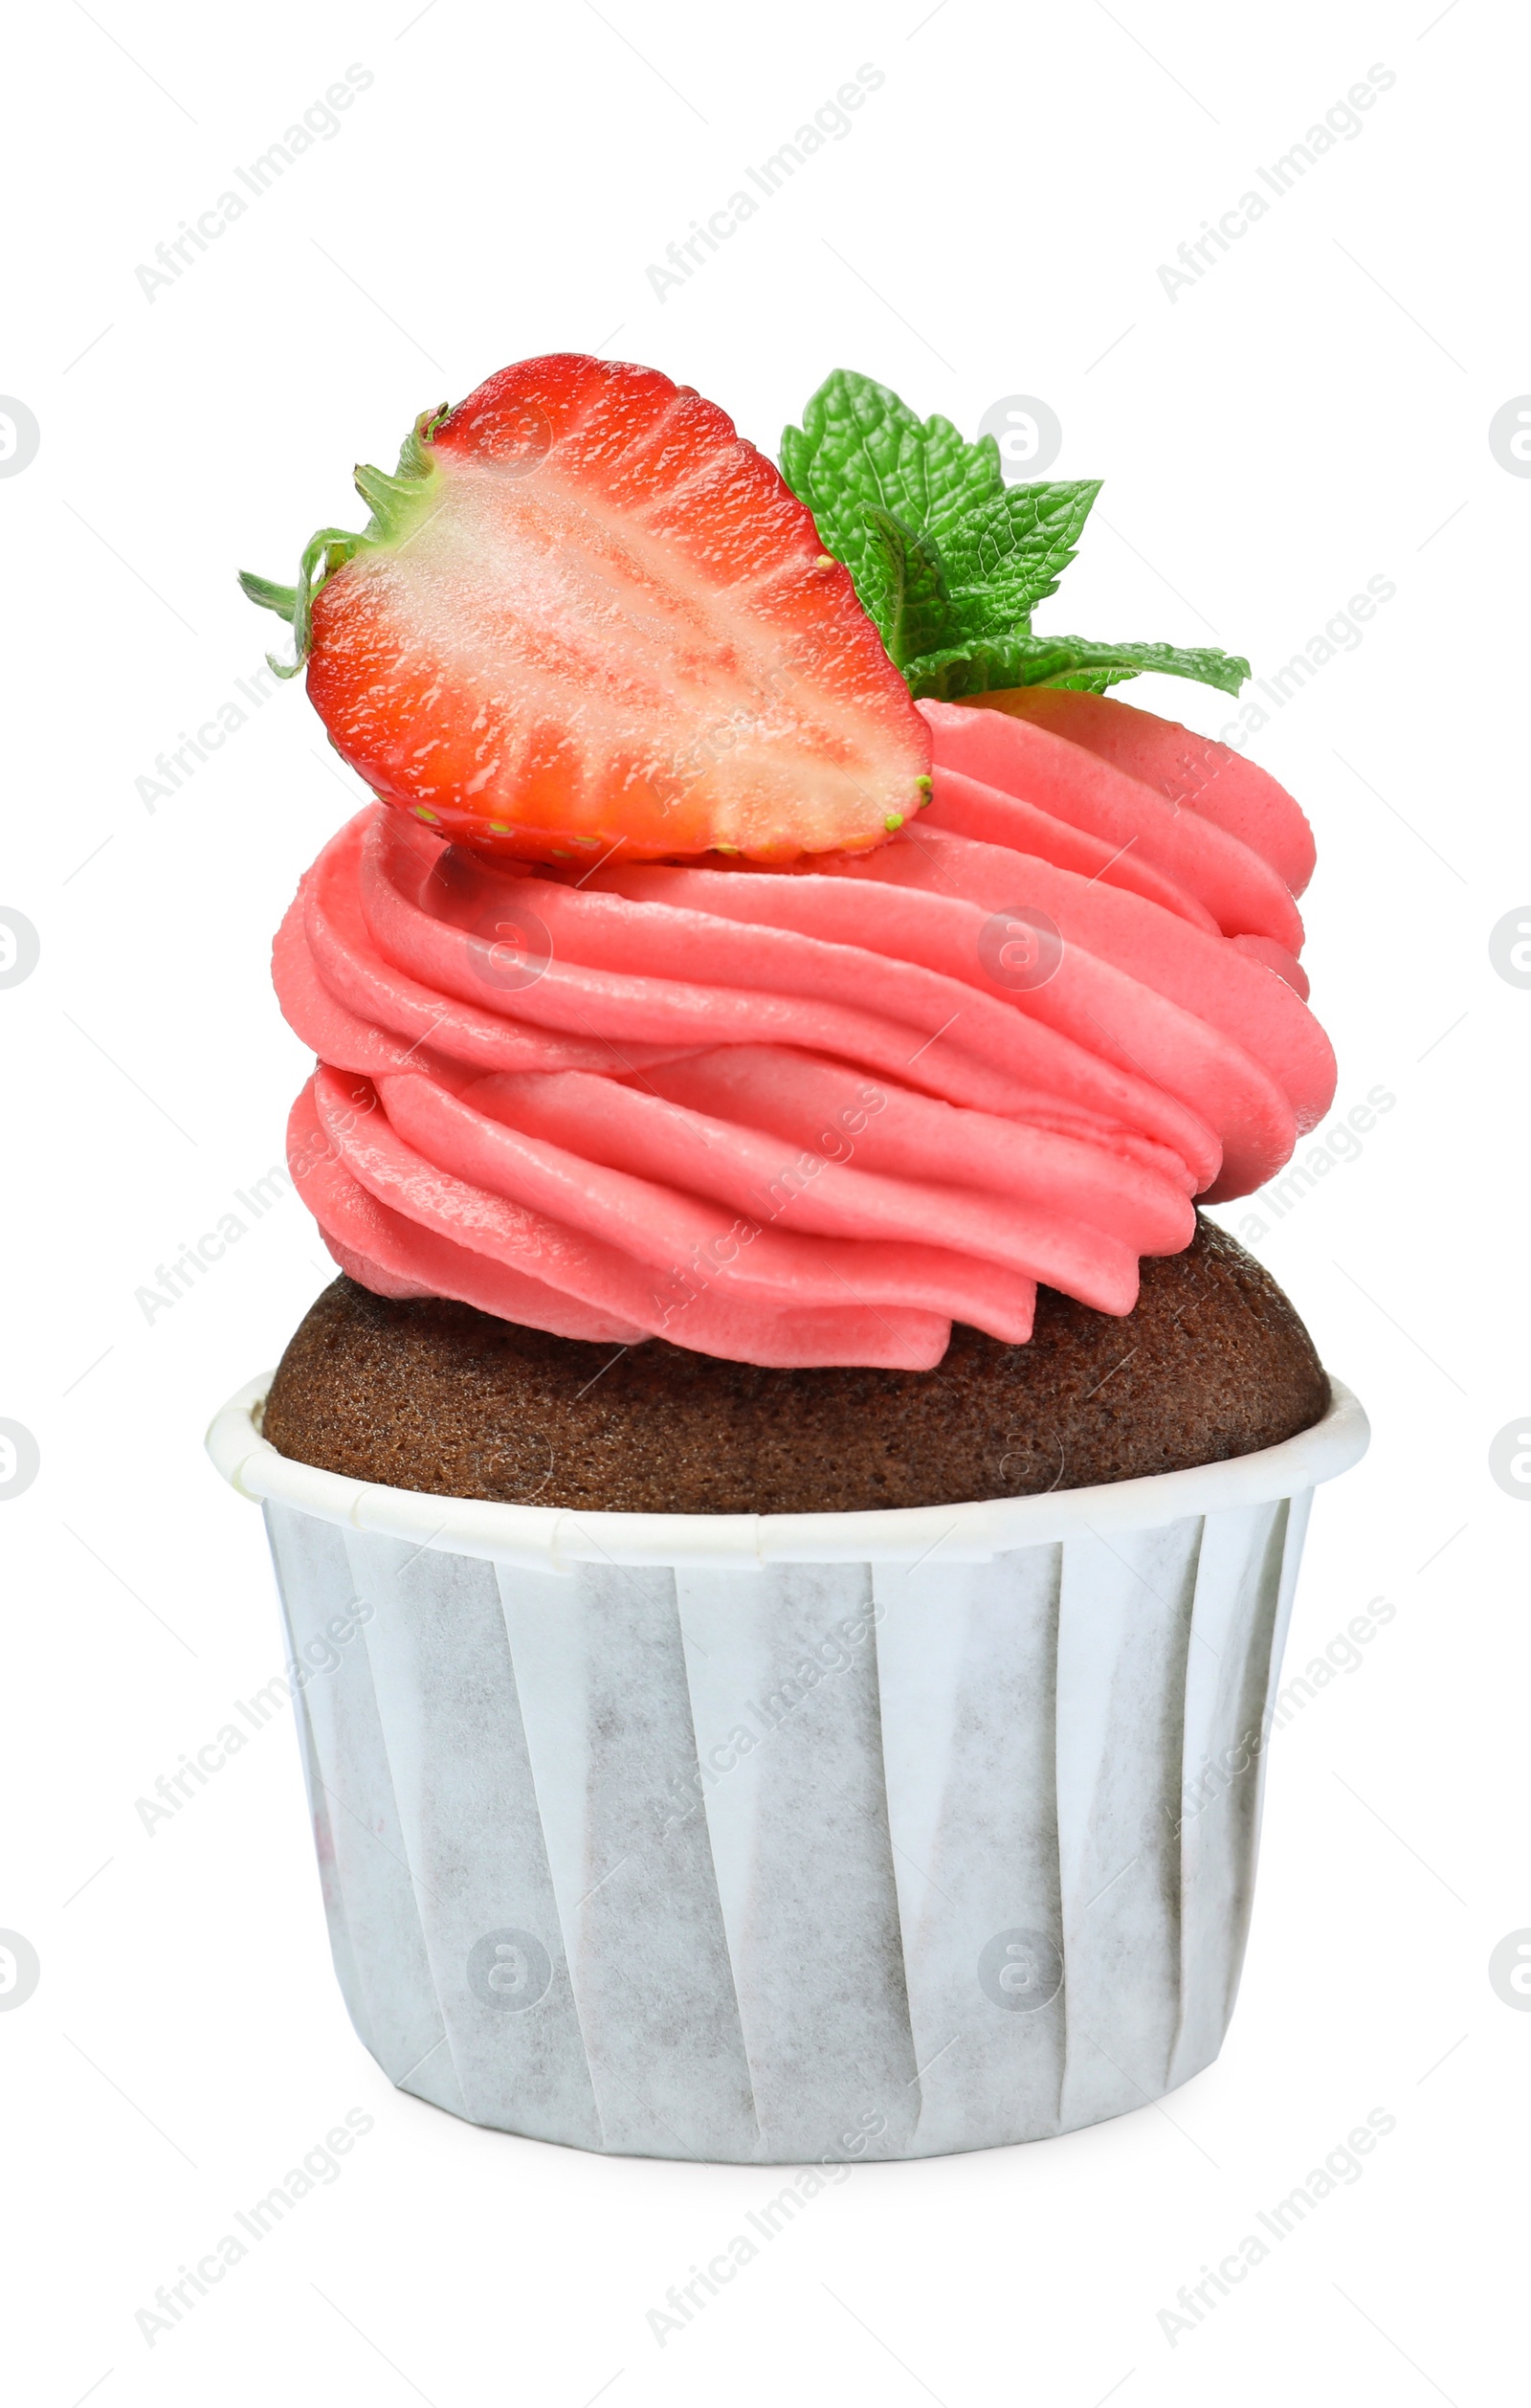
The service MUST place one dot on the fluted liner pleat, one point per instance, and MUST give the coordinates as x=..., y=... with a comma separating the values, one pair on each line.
x=773, y=1864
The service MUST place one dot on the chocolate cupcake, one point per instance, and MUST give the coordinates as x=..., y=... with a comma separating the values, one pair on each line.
x=786, y=1519
x=1211, y=1362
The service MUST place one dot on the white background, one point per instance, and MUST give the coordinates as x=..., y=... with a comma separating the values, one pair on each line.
x=1312, y=412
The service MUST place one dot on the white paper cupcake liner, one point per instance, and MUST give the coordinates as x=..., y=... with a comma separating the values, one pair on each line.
x=771, y=1839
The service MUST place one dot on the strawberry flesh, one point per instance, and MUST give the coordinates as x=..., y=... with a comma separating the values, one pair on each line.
x=597, y=618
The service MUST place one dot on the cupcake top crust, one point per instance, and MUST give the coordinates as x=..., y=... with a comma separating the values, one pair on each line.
x=1212, y=1362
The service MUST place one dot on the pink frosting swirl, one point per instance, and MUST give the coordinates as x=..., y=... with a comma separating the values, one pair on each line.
x=813, y=1116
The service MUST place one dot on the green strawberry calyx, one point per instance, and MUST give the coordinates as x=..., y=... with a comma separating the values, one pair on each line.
x=948, y=560
x=398, y=503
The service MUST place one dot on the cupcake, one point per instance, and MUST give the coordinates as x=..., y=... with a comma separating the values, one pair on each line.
x=786, y=1520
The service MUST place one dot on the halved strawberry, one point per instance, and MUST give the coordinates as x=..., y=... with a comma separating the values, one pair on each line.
x=585, y=613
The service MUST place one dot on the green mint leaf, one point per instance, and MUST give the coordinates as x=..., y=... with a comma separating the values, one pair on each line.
x=1008, y=554
x=1097, y=666
x=950, y=673
x=906, y=590
x=948, y=560
x=860, y=448
x=940, y=479
x=953, y=672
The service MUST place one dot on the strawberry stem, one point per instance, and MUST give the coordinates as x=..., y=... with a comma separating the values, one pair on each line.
x=394, y=503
